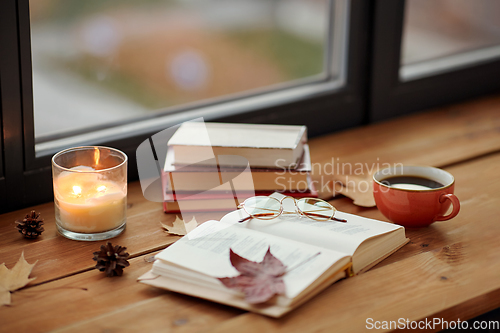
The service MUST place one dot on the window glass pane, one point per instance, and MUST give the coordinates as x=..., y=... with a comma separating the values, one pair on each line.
x=443, y=34
x=96, y=62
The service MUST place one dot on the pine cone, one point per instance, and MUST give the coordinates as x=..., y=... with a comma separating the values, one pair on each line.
x=111, y=259
x=31, y=225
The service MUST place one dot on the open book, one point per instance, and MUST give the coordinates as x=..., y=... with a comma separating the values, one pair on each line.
x=192, y=265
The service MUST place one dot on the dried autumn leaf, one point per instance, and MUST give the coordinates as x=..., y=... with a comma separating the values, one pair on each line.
x=349, y=186
x=259, y=281
x=4, y=296
x=180, y=227
x=13, y=279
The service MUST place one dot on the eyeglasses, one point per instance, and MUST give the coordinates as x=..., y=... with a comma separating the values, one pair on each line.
x=267, y=208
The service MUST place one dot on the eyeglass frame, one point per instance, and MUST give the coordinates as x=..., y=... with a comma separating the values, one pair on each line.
x=297, y=211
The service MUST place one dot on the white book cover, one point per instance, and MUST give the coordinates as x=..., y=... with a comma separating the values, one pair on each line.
x=261, y=145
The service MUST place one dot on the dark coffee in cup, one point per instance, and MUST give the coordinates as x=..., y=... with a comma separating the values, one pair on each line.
x=411, y=182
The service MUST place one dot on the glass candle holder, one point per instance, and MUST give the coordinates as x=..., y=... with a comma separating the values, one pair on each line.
x=90, y=192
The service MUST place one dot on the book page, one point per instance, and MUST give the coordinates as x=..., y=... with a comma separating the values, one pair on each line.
x=206, y=250
x=338, y=236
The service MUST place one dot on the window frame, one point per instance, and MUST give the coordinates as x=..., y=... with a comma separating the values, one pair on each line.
x=12, y=181
x=28, y=176
x=391, y=96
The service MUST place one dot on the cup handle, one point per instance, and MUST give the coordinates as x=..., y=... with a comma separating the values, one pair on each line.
x=456, y=206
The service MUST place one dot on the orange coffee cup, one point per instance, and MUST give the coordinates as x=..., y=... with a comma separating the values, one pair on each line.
x=415, y=196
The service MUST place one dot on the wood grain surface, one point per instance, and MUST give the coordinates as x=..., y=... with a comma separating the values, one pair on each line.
x=449, y=270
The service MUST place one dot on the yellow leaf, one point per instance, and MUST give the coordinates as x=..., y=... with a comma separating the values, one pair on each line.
x=191, y=225
x=180, y=227
x=350, y=186
x=15, y=278
x=4, y=296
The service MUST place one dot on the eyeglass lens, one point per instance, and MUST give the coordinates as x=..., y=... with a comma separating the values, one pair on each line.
x=316, y=209
x=264, y=208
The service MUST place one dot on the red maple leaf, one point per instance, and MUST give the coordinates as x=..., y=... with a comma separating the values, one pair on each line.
x=259, y=281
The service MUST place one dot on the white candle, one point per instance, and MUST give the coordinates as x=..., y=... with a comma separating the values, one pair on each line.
x=88, y=204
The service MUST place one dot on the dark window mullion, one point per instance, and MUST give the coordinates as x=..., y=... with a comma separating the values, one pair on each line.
x=386, y=50
x=10, y=95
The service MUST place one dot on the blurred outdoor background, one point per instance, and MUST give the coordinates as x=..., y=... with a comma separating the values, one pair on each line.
x=99, y=61
x=96, y=62
x=439, y=28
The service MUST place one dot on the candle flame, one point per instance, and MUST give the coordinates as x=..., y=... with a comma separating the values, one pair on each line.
x=77, y=190
x=97, y=156
x=102, y=188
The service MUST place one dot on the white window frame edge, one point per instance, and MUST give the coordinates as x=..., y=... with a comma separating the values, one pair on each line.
x=340, y=35
x=449, y=63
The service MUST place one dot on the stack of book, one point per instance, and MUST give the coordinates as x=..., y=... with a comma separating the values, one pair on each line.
x=216, y=166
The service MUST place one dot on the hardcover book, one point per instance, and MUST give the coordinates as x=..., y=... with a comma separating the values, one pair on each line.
x=266, y=146
x=203, y=176
x=219, y=200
